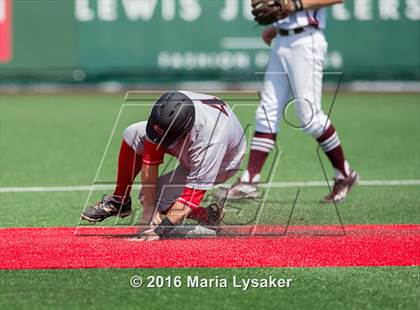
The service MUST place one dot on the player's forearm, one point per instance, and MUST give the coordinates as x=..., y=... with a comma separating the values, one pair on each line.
x=316, y=4
x=149, y=176
x=178, y=212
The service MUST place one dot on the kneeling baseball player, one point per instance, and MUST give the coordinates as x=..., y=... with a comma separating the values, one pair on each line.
x=206, y=137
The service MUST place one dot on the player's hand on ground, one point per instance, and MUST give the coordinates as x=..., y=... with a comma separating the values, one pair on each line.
x=148, y=237
x=147, y=234
x=269, y=34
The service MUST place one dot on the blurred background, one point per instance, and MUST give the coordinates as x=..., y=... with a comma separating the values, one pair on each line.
x=111, y=45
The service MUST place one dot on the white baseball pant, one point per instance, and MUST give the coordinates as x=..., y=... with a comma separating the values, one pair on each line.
x=294, y=76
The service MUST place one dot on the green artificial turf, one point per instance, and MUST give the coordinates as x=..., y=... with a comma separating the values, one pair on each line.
x=59, y=140
x=311, y=288
x=367, y=205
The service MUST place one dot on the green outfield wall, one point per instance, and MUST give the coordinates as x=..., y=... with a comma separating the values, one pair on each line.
x=144, y=40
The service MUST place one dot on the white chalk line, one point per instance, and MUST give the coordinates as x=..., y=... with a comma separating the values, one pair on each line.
x=100, y=187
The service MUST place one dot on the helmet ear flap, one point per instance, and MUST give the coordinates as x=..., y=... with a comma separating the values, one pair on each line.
x=171, y=118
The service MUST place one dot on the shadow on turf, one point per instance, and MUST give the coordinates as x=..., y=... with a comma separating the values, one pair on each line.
x=266, y=231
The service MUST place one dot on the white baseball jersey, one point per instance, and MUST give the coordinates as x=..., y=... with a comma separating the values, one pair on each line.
x=212, y=151
x=215, y=146
x=303, y=18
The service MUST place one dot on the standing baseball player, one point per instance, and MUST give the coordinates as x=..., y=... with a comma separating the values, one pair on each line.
x=206, y=137
x=294, y=72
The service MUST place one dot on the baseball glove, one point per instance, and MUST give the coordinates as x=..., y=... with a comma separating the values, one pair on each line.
x=267, y=11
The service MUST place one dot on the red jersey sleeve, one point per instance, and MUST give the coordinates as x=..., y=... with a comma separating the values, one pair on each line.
x=152, y=155
x=191, y=197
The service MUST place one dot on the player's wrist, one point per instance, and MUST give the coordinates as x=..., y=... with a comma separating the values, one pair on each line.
x=164, y=228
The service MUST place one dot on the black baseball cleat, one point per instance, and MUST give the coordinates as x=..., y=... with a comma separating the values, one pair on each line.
x=341, y=188
x=108, y=206
x=215, y=215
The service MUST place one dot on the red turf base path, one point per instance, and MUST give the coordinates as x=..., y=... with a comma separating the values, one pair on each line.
x=363, y=245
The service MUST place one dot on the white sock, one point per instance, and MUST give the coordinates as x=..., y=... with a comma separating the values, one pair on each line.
x=246, y=178
x=339, y=175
